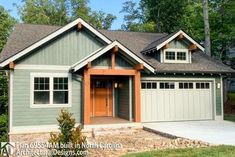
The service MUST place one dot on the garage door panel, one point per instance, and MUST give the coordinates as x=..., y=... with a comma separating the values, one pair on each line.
x=191, y=104
x=172, y=106
x=177, y=104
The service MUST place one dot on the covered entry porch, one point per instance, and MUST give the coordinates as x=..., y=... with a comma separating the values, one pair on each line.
x=111, y=99
x=111, y=84
x=111, y=96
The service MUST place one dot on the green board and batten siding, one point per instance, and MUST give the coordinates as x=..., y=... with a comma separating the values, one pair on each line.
x=182, y=44
x=218, y=98
x=65, y=50
x=123, y=97
x=105, y=61
x=23, y=115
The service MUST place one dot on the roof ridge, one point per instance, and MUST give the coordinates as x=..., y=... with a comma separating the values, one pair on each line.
x=33, y=24
x=152, y=33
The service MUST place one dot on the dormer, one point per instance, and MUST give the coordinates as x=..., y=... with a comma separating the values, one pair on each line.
x=174, y=48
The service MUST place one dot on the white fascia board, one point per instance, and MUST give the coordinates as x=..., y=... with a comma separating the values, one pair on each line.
x=91, y=57
x=177, y=34
x=97, y=54
x=53, y=35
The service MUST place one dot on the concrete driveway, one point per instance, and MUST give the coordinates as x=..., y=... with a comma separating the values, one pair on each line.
x=215, y=132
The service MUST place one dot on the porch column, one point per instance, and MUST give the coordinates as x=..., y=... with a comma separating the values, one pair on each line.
x=86, y=97
x=130, y=99
x=137, y=96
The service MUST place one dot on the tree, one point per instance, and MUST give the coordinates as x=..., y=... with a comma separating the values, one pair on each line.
x=68, y=135
x=44, y=12
x=6, y=25
x=61, y=12
x=98, y=19
x=222, y=26
x=172, y=15
x=207, y=44
x=166, y=14
x=101, y=20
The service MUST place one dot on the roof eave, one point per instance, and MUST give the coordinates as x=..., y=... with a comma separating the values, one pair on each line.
x=158, y=47
x=52, y=36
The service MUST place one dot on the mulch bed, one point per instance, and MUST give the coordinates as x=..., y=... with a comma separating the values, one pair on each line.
x=137, y=140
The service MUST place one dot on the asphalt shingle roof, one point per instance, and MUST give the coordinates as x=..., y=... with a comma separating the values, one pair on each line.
x=24, y=35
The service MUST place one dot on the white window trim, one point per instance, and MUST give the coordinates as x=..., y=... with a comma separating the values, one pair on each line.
x=176, y=61
x=51, y=76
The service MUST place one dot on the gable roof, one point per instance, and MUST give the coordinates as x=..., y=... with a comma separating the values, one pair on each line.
x=52, y=36
x=101, y=51
x=159, y=43
x=134, y=41
x=23, y=36
x=201, y=63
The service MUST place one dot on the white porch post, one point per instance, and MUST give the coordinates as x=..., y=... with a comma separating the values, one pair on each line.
x=130, y=98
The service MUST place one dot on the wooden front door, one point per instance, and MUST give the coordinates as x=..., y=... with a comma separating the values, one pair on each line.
x=102, y=98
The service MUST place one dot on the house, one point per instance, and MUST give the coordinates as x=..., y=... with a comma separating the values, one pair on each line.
x=133, y=76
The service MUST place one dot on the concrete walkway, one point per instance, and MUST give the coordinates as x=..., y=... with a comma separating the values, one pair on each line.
x=215, y=132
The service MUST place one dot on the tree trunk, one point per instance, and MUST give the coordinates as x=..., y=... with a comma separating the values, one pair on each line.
x=207, y=44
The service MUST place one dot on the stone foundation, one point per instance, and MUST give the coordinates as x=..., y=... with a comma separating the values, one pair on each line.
x=28, y=138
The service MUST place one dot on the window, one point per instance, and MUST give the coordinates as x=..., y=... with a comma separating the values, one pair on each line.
x=176, y=55
x=202, y=85
x=149, y=85
x=170, y=55
x=167, y=85
x=50, y=90
x=41, y=90
x=186, y=85
x=60, y=92
x=181, y=55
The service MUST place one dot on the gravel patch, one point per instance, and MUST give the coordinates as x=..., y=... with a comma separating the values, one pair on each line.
x=124, y=141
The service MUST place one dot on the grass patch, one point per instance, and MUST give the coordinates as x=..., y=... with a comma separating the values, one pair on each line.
x=229, y=118
x=231, y=96
x=215, y=151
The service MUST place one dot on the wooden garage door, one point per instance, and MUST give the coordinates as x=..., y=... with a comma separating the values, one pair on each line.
x=176, y=101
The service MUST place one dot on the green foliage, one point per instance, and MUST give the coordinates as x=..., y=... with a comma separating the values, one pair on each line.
x=165, y=13
x=6, y=25
x=61, y=12
x=3, y=127
x=68, y=134
x=229, y=118
x=100, y=20
x=214, y=151
x=231, y=96
x=222, y=24
x=3, y=93
x=173, y=15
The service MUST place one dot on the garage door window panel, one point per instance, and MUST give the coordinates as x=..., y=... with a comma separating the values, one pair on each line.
x=203, y=85
x=185, y=85
x=149, y=85
x=167, y=85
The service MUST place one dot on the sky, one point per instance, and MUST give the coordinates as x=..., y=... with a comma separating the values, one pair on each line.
x=108, y=6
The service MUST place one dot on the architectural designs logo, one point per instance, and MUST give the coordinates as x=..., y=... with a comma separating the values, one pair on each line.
x=6, y=149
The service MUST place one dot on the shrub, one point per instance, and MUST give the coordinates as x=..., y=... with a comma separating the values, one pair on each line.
x=3, y=127
x=231, y=96
x=69, y=134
